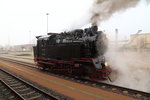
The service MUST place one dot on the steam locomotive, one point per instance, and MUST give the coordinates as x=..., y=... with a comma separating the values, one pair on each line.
x=75, y=53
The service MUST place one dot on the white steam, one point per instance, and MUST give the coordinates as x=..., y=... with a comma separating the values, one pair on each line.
x=130, y=69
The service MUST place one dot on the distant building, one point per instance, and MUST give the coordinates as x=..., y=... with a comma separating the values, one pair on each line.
x=24, y=47
x=140, y=41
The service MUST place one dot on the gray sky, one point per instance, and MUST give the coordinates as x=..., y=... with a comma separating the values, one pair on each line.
x=22, y=20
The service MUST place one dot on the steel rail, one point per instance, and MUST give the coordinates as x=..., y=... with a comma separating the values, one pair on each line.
x=12, y=93
x=28, y=86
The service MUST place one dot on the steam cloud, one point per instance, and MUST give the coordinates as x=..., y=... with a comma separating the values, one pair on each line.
x=103, y=9
x=129, y=69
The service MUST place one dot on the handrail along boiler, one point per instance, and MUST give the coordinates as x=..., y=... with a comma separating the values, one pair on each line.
x=76, y=53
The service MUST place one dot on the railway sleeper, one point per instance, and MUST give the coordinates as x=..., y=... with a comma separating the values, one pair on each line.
x=10, y=79
x=20, y=87
x=14, y=85
x=23, y=90
x=12, y=97
x=34, y=97
x=13, y=82
x=4, y=89
x=26, y=91
x=27, y=94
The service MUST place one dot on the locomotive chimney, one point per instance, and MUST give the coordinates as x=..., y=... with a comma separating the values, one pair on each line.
x=94, y=28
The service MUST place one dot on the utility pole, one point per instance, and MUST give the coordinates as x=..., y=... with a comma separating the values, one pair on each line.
x=29, y=37
x=116, y=39
x=8, y=48
x=47, y=21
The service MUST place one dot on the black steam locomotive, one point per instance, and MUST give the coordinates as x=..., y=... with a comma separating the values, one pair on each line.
x=76, y=53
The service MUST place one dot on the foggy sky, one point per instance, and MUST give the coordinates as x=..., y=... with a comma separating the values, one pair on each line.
x=21, y=21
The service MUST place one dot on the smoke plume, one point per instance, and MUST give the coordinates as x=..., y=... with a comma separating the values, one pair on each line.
x=104, y=9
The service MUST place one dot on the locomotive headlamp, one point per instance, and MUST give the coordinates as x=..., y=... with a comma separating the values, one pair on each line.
x=107, y=36
x=106, y=63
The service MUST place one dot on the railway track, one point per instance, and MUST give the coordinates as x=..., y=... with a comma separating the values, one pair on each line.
x=120, y=90
x=109, y=87
x=14, y=88
x=7, y=93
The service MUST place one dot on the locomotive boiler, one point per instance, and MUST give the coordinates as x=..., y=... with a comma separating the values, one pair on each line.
x=75, y=53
